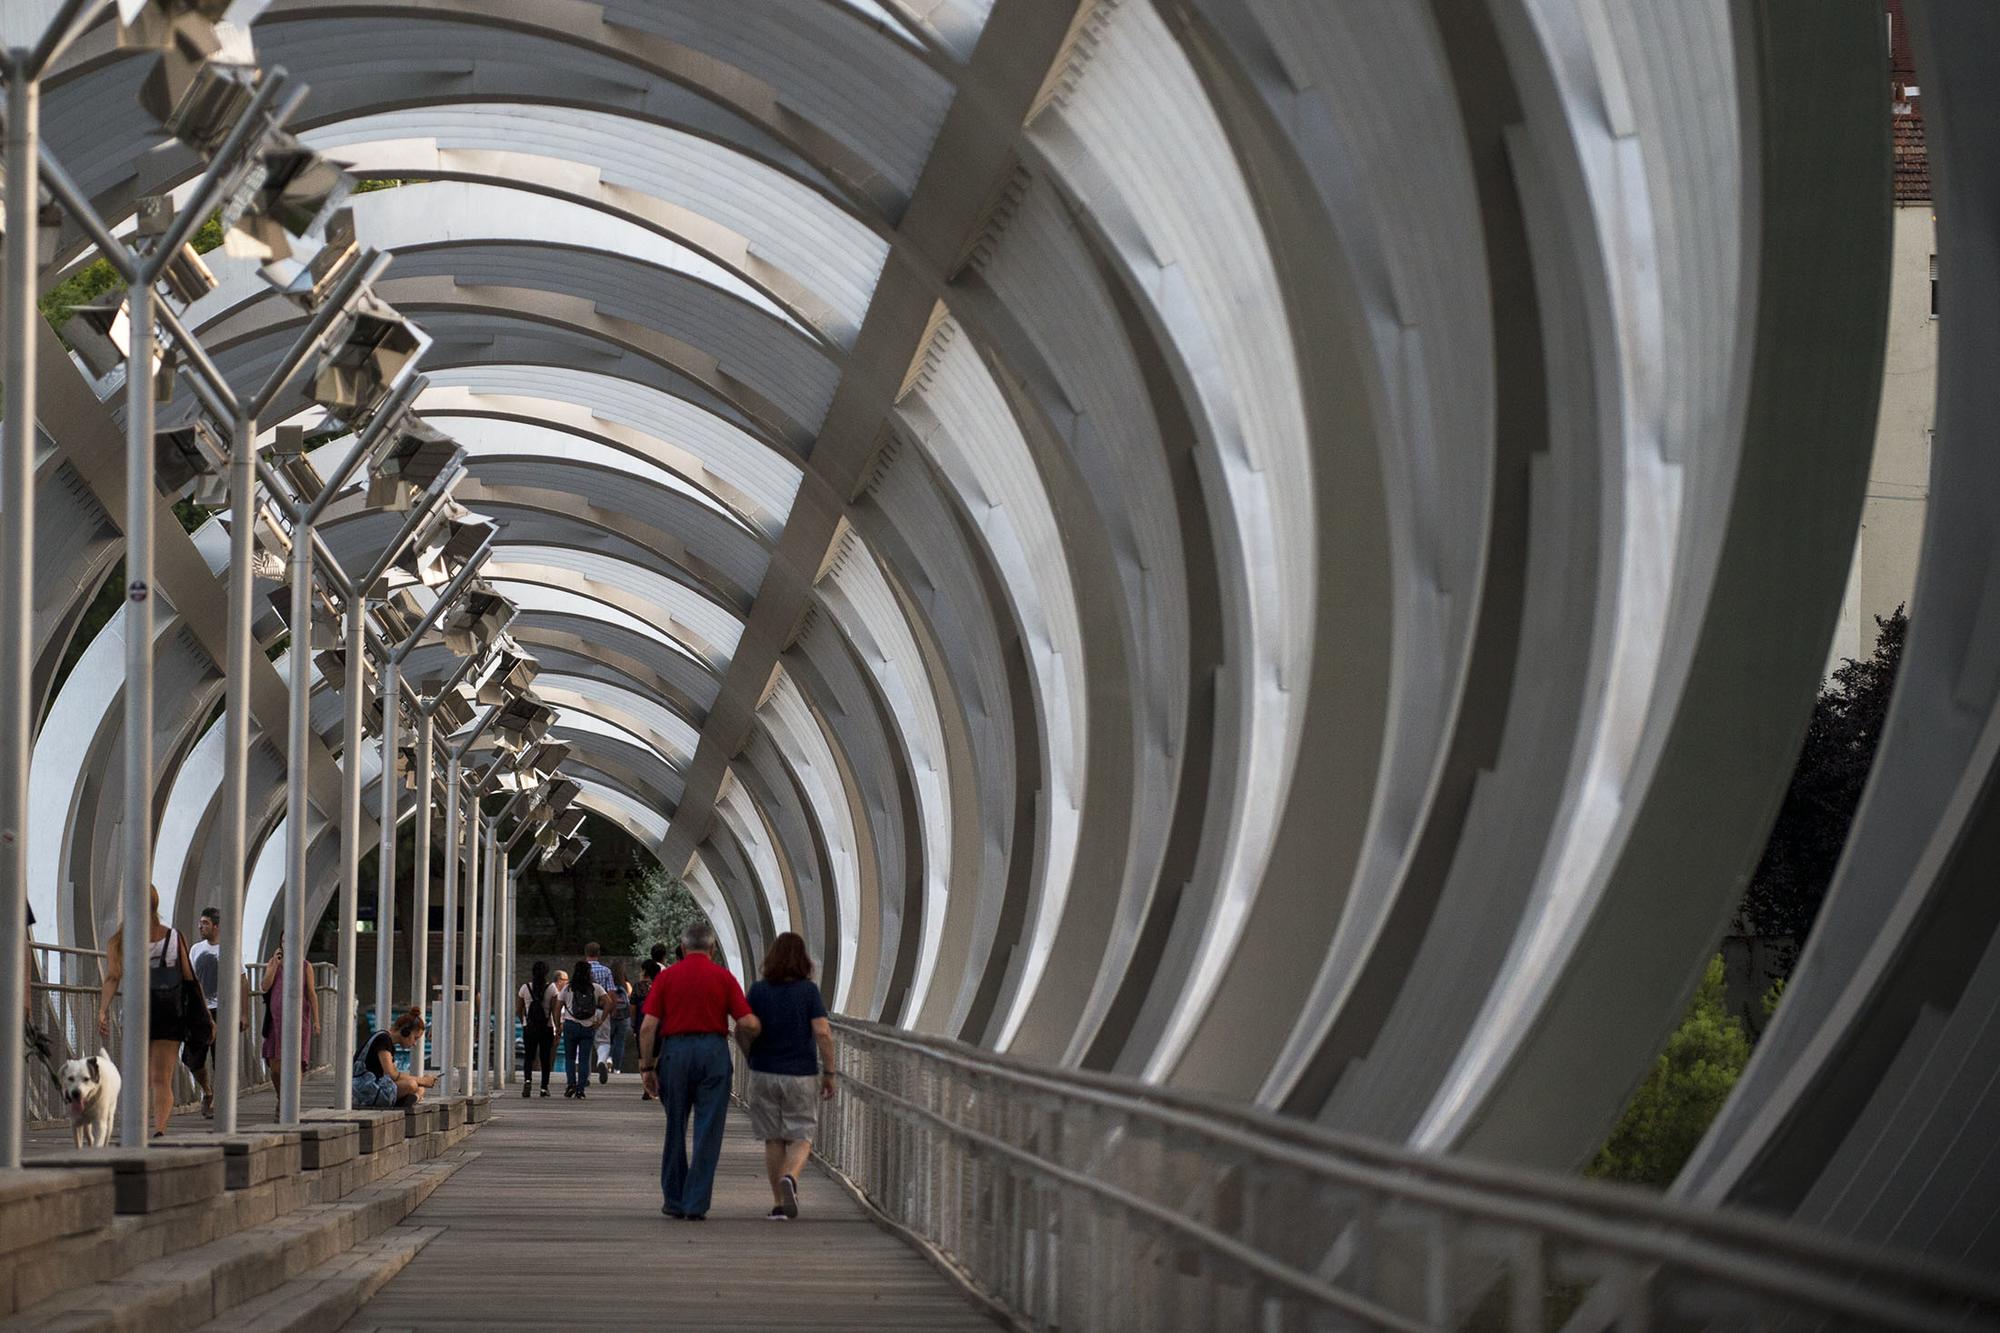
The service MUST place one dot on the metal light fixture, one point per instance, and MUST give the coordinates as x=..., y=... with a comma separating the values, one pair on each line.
x=521, y=722
x=415, y=455
x=509, y=675
x=191, y=455
x=474, y=624
x=206, y=75
x=284, y=198
x=309, y=274
x=453, y=536
x=375, y=350
x=566, y=855
x=569, y=821
x=100, y=333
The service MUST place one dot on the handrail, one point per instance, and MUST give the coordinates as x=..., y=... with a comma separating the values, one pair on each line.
x=1600, y=1197
x=1616, y=1245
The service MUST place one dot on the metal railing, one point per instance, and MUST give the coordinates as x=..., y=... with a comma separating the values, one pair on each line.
x=1081, y=1201
x=64, y=1013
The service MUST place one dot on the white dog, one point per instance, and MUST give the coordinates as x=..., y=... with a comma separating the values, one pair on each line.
x=90, y=1091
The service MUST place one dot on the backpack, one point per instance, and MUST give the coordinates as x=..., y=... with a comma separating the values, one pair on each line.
x=163, y=977
x=583, y=1001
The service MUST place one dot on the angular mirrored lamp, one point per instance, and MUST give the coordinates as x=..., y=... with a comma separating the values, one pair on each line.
x=99, y=332
x=569, y=821
x=206, y=75
x=449, y=537
x=314, y=267
x=508, y=675
x=451, y=712
x=562, y=857
x=191, y=457
x=414, y=455
x=475, y=622
x=288, y=455
x=521, y=722
x=542, y=759
x=562, y=791
x=285, y=192
x=368, y=361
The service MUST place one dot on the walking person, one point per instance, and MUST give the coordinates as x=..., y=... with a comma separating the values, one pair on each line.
x=788, y=1076
x=611, y=1037
x=582, y=1004
x=601, y=974
x=649, y=971
x=177, y=1008
x=689, y=1010
x=274, y=1017
x=206, y=958
x=538, y=1030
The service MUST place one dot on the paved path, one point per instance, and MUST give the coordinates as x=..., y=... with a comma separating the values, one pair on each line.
x=556, y=1224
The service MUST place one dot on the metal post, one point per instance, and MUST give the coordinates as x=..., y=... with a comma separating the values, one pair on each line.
x=446, y=1038
x=17, y=588
x=137, y=916
x=507, y=969
x=298, y=734
x=489, y=1012
x=385, y=856
x=420, y=888
x=474, y=862
x=350, y=851
x=235, y=769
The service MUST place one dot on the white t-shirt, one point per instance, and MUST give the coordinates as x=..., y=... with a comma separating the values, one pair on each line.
x=202, y=951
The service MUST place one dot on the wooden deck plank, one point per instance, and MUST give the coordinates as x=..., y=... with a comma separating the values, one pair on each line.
x=549, y=1172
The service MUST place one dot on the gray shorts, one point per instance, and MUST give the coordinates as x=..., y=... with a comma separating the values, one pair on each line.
x=784, y=1106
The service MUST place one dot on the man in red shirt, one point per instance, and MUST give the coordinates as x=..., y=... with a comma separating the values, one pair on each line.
x=687, y=1029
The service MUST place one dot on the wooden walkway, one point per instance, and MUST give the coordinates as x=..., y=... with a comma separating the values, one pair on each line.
x=556, y=1224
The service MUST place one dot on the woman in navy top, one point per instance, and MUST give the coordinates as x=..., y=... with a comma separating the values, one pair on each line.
x=791, y=1066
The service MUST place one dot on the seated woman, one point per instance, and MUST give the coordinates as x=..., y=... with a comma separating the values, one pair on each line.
x=377, y=1081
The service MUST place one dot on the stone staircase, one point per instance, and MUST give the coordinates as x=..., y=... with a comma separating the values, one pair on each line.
x=284, y=1227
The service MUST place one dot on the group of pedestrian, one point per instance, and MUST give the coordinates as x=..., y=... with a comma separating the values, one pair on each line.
x=688, y=1012
x=592, y=1017
x=184, y=986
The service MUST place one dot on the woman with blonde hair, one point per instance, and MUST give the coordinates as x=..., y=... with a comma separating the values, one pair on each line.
x=171, y=1018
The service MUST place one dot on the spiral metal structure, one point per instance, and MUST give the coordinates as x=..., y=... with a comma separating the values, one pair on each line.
x=1283, y=548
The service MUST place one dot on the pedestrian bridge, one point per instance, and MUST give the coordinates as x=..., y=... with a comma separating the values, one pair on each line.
x=955, y=1190
x=1248, y=574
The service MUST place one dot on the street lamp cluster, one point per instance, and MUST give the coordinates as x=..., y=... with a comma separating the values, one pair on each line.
x=191, y=432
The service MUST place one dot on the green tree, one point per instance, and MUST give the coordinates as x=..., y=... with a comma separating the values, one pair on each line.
x=1688, y=1083
x=1811, y=828
x=663, y=908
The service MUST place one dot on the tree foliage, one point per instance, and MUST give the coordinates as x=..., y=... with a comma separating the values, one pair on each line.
x=663, y=908
x=1687, y=1085
x=1811, y=829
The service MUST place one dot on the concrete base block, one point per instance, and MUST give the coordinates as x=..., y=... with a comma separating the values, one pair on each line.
x=43, y=1204
x=452, y=1111
x=248, y=1159
x=147, y=1180
x=421, y=1118
x=379, y=1129
x=326, y=1143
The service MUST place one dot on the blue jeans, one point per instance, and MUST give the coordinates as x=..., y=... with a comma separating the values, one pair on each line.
x=621, y=1028
x=579, y=1052
x=694, y=1081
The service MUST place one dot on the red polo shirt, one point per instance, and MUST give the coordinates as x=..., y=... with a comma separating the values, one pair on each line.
x=695, y=995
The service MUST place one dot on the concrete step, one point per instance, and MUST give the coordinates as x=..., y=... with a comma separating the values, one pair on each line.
x=189, y=1288
x=70, y=1237
x=323, y=1299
